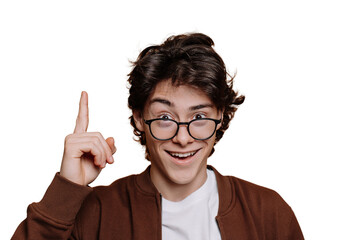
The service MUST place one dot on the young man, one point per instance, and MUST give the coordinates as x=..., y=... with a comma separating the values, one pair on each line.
x=182, y=103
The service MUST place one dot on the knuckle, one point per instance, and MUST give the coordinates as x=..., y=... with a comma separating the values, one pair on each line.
x=68, y=138
x=98, y=141
x=93, y=146
x=104, y=155
x=96, y=159
x=100, y=152
x=98, y=134
x=94, y=140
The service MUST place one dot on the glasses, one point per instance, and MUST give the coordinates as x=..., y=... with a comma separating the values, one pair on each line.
x=166, y=129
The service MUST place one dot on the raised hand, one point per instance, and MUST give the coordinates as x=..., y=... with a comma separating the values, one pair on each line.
x=85, y=153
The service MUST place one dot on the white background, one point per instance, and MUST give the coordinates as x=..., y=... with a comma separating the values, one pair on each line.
x=286, y=136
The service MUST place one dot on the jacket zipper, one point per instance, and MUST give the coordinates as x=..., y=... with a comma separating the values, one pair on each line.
x=159, y=206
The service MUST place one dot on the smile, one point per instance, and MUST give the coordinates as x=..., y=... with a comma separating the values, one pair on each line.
x=182, y=155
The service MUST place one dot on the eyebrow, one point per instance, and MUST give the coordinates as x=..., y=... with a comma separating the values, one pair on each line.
x=170, y=104
x=161, y=100
x=200, y=106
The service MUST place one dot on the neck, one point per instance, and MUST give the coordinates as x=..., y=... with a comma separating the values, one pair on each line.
x=177, y=190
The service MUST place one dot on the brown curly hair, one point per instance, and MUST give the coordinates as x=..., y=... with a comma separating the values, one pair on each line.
x=187, y=59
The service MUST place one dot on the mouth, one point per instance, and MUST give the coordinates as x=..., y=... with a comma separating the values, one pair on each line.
x=182, y=156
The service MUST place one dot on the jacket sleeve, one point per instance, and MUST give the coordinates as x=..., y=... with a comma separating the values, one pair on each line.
x=294, y=231
x=54, y=216
x=286, y=222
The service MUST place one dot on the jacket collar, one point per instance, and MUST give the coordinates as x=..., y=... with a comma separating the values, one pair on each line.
x=225, y=189
x=225, y=192
x=144, y=183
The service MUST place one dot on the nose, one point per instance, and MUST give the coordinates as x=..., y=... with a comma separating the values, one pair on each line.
x=182, y=137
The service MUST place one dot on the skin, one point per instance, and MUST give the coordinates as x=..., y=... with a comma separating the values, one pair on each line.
x=174, y=178
x=85, y=153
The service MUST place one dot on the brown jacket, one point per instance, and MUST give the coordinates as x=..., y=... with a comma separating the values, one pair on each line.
x=130, y=208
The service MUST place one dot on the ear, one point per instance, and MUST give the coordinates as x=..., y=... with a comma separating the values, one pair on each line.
x=137, y=116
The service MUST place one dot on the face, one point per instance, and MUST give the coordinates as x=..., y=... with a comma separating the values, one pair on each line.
x=181, y=160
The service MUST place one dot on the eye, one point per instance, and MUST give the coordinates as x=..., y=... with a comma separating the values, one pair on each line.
x=164, y=116
x=199, y=116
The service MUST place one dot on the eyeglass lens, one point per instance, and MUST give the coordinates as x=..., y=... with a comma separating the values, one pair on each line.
x=166, y=129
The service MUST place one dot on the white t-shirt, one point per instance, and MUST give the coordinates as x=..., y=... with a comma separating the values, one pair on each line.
x=194, y=216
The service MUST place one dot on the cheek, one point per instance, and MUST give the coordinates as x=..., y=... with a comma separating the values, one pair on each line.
x=209, y=145
x=152, y=144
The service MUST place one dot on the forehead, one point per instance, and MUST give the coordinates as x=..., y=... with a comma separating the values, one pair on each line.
x=182, y=96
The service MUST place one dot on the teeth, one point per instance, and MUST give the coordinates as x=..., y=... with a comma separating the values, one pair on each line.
x=182, y=155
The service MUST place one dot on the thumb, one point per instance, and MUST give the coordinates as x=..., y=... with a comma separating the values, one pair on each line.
x=110, y=142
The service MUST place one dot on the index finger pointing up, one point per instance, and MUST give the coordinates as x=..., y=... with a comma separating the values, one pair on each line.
x=82, y=119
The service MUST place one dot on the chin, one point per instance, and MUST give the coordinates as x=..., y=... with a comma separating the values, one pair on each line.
x=185, y=173
x=182, y=177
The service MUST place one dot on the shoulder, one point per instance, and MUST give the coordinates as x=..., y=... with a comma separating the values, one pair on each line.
x=117, y=191
x=105, y=204
x=105, y=197
x=253, y=191
x=257, y=208
x=244, y=194
x=122, y=191
x=268, y=209
x=260, y=202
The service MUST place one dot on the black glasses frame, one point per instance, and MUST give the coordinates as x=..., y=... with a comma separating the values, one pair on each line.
x=216, y=121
